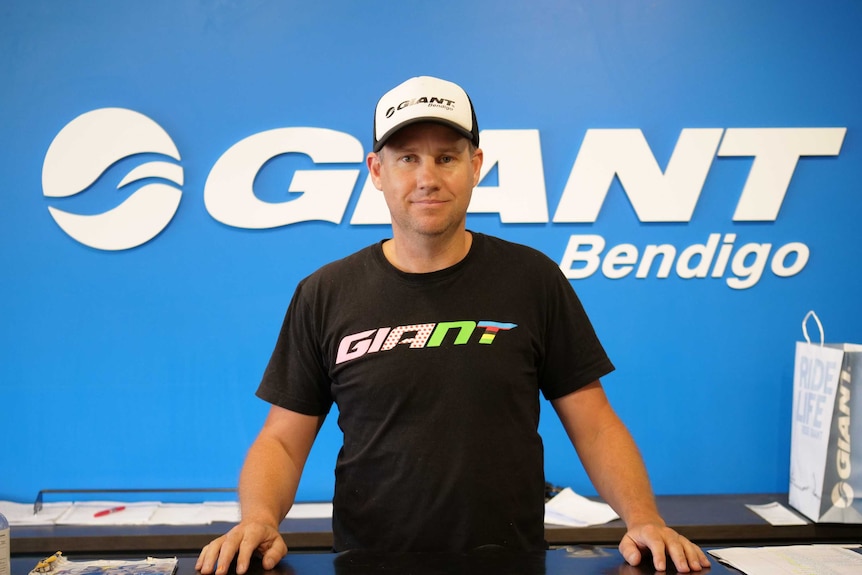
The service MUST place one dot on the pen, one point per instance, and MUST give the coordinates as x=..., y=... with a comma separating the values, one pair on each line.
x=104, y=512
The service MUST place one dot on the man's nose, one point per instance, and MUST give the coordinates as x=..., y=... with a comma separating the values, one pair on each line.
x=428, y=174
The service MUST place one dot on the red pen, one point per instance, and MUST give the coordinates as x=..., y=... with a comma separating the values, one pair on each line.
x=104, y=512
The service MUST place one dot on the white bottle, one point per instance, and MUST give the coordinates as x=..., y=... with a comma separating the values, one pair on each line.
x=5, y=568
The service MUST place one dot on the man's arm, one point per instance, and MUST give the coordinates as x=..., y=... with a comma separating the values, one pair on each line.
x=267, y=487
x=614, y=464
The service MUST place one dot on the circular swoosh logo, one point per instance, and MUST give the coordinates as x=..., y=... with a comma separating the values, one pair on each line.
x=90, y=144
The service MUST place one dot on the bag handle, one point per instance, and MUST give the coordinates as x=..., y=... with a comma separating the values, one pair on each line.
x=819, y=326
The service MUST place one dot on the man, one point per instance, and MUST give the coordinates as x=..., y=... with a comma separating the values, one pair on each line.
x=435, y=345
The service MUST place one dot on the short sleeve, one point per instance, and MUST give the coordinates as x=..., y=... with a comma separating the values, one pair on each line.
x=295, y=377
x=574, y=357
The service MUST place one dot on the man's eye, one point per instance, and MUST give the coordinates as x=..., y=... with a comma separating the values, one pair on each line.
x=445, y=159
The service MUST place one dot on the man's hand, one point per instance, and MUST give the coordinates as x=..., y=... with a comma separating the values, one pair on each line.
x=662, y=542
x=241, y=541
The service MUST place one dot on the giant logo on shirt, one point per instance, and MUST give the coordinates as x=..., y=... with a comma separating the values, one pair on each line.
x=417, y=336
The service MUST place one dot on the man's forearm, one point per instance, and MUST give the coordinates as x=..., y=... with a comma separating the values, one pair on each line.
x=616, y=468
x=608, y=453
x=268, y=482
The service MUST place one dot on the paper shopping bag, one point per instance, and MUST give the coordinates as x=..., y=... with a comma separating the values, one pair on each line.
x=826, y=437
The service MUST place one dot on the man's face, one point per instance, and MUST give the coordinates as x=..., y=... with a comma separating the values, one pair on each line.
x=427, y=173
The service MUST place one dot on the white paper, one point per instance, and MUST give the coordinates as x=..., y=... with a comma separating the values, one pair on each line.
x=195, y=513
x=569, y=508
x=222, y=511
x=85, y=513
x=792, y=560
x=22, y=513
x=310, y=511
x=146, y=513
x=777, y=514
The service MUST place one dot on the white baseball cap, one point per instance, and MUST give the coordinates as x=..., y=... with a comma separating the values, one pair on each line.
x=424, y=99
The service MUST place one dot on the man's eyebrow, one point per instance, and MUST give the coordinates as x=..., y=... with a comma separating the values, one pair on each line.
x=400, y=148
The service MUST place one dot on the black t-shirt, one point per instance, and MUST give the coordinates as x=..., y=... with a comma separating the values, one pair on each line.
x=437, y=378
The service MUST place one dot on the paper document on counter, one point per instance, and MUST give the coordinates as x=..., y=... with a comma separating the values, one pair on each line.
x=108, y=513
x=573, y=510
x=144, y=513
x=22, y=513
x=777, y=514
x=57, y=564
x=792, y=559
x=310, y=511
x=196, y=513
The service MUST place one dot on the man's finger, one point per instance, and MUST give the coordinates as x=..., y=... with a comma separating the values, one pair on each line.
x=695, y=559
x=630, y=550
x=209, y=555
x=274, y=554
x=227, y=552
x=246, y=547
x=683, y=563
x=659, y=560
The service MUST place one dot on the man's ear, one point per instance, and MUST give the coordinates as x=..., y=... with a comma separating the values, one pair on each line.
x=477, y=160
x=373, y=163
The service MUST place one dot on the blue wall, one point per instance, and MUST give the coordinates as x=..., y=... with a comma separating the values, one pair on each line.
x=136, y=367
